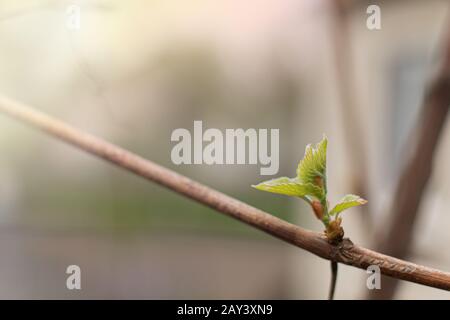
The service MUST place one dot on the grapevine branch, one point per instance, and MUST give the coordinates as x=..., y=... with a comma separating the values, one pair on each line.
x=344, y=252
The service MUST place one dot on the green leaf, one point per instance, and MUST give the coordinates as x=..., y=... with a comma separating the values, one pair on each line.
x=290, y=187
x=346, y=202
x=312, y=168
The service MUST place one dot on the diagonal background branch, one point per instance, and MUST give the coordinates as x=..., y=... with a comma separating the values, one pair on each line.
x=415, y=175
x=345, y=252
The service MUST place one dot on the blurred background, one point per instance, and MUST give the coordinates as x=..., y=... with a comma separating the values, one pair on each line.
x=136, y=70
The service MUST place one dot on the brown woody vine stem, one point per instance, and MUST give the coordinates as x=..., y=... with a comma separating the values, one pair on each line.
x=344, y=252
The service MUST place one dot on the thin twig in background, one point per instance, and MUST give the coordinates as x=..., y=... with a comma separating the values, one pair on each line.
x=415, y=175
x=334, y=272
x=345, y=252
x=352, y=126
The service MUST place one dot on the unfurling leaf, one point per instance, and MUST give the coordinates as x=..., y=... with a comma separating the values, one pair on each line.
x=312, y=168
x=346, y=202
x=290, y=187
x=311, y=185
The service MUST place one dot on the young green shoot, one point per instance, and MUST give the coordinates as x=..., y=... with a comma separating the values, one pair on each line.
x=310, y=184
